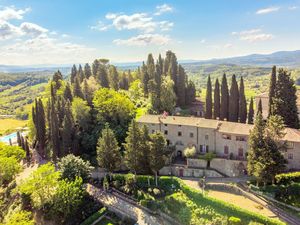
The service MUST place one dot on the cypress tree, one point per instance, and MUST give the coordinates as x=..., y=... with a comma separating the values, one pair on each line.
x=285, y=100
x=259, y=107
x=27, y=150
x=67, y=131
x=77, y=92
x=234, y=101
x=19, y=140
x=160, y=64
x=145, y=79
x=87, y=71
x=132, y=147
x=173, y=69
x=55, y=137
x=95, y=67
x=181, y=79
x=114, y=77
x=242, y=103
x=123, y=84
x=150, y=67
x=251, y=112
x=68, y=93
x=40, y=127
x=80, y=73
x=145, y=150
x=208, y=101
x=217, y=100
x=272, y=89
x=103, y=76
x=190, y=93
x=108, y=151
x=73, y=74
x=224, y=99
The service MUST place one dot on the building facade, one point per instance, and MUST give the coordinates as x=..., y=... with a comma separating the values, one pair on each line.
x=228, y=140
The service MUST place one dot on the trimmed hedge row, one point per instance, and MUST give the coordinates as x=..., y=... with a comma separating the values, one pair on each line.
x=287, y=178
x=94, y=217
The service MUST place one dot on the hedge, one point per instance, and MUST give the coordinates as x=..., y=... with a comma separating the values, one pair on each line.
x=287, y=178
x=94, y=217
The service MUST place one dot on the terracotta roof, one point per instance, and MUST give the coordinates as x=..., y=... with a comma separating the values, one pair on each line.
x=292, y=135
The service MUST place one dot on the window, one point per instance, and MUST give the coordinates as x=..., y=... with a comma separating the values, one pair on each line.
x=166, y=132
x=290, y=156
x=206, y=137
x=204, y=148
x=179, y=125
x=166, y=125
x=168, y=142
x=290, y=144
x=179, y=143
x=179, y=134
x=226, y=150
x=226, y=136
x=191, y=135
x=241, y=152
x=240, y=138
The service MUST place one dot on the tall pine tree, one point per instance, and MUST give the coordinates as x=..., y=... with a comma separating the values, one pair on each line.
x=217, y=100
x=285, y=100
x=272, y=90
x=234, y=100
x=224, y=99
x=242, y=103
x=251, y=112
x=208, y=101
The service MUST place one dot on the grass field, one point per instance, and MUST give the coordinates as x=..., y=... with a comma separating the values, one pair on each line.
x=9, y=125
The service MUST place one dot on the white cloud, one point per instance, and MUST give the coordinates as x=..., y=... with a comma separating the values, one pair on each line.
x=293, y=7
x=100, y=26
x=111, y=16
x=44, y=50
x=163, y=9
x=9, y=13
x=137, y=21
x=32, y=29
x=229, y=45
x=202, y=41
x=267, y=10
x=8, y=31
x=165, y=25
x=253, y=35
x=144, y=39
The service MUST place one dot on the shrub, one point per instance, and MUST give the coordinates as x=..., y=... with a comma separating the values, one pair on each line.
x=286, y=178
x=156, y=192
x=20, y=217
x=255, y=223
x=234, y=220
x=94, y=217
x=190, y=152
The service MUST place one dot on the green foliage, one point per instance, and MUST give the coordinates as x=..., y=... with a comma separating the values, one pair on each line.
x=72, y=166
x=9, y=168
x=224, y=99
x=21, y=218
x=217, y=100
x=234, y=101
x=67, y=198
x=190, y=152
x=7, y=151
x=41, y=185
x=208, y=102
x=108, y=151
x=167, y=96
x=234, y=220
x=94, y=217
x=287, y=178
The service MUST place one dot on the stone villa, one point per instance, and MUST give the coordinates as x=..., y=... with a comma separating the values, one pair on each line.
x=228, y=140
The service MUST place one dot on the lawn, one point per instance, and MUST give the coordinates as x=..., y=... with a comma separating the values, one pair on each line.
x=185, y=204
x=9, y=125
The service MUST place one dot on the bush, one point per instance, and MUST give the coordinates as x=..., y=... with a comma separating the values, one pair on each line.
x=190, y=152
x=234, y=220
x=156, y=192
x=94, y=217
x=287, y=178
x=255, y=223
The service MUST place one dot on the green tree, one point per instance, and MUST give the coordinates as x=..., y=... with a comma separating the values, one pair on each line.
x=208, y=157
x=41, y=185
x=180, y=88
x=168, y=96
x=72, y=166
x=108, y=151
x=208, y=101
x=73, y=74
x=82, y=113
x=68, y=93
x=67, y=130
x=157, y=153
x=272, y=89
x=102, y=75
x=242, y=103
x=251, y=112
x=80, y=73
x=285, y=100
x=234, y=101
x=224, y=99
x=68, y=197
x=20, y=217
x=259, y=107
x=132, y=147
x=77, y=92
x=145, y=79
x=87, y=71
x=114, y=77
x=9, y=168
x=217, y=100
x=145, y=150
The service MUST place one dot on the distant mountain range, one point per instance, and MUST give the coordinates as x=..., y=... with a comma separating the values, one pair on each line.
x=281, y=58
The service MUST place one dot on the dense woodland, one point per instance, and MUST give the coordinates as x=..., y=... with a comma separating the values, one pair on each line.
x=74, y=112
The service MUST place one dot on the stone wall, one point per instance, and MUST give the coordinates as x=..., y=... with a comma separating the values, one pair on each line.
x=181, y=171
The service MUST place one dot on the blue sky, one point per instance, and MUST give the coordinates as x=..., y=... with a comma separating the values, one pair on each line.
x=63, y=32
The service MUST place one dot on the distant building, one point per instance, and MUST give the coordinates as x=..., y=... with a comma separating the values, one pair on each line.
x=228, y=140
x=265, y=103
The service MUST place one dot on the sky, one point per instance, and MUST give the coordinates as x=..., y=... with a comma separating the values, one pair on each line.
x=40, y=32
